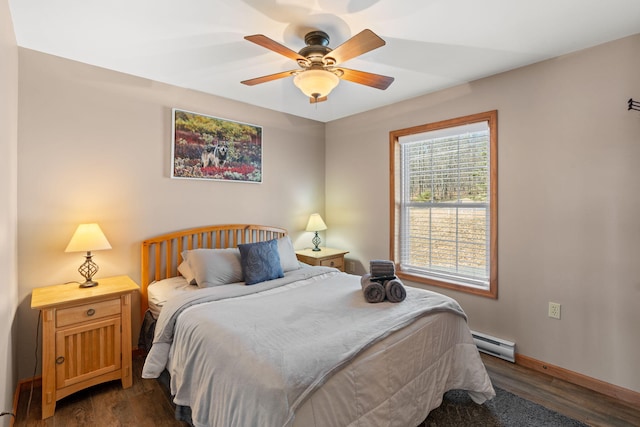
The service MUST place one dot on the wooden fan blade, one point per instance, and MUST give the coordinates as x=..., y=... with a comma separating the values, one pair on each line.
x=362, y=42
x=368, y=79
x=313, y=100
x=273, y=45
x=268, y=78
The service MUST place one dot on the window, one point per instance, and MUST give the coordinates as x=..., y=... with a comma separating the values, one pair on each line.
x=444, y=180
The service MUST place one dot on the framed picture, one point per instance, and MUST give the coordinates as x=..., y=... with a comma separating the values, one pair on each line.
x=205, y=147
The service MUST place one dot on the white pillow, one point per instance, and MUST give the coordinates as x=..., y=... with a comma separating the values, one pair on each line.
x=185, y=271
x=214, y=267
x=163, y=290
x=288, y=259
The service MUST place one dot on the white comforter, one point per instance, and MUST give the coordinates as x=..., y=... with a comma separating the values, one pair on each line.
x=251, y=355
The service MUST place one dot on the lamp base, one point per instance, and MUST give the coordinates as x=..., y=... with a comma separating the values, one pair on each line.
x=88, y=284
x=88, y=269
x=316, y=242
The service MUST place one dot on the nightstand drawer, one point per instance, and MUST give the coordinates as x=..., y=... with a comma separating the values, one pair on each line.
x=82, y=313
x=337, y=262
x=326, y=257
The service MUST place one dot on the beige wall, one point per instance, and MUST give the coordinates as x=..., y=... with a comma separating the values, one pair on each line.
x=568, y=203
x=95, y=146
x=8, y=210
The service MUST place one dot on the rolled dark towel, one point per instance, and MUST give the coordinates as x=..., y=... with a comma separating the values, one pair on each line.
x=381, y=268
x=382, y=273
x=373, y=291
x=382, y=264
x=394, y=290
x=382, y=279
x=386, y=268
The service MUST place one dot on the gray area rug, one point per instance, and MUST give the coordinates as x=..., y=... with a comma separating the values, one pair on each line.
x=505, y=410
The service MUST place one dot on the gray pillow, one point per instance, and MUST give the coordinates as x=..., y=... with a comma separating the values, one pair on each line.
x=214, y=267
x=288, y=259
x=260, y=261
x=185, y=271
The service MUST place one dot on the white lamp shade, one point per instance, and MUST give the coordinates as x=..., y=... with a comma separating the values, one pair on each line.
x=316, y=83
x=316, y=223
x=87, y=238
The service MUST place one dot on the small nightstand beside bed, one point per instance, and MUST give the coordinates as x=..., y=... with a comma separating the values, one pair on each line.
x=86, y=336
x=300, y=346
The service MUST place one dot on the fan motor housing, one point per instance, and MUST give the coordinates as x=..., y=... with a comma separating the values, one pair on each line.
x=317, y=45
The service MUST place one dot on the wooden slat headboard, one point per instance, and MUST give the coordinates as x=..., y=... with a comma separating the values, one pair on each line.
x=161, y=255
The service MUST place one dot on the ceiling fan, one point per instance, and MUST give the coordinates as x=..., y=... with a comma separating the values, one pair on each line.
x=319, y=74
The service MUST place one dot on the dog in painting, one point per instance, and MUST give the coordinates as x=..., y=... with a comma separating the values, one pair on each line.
x=214, y=155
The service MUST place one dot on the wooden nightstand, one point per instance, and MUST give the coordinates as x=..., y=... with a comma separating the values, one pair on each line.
x=86, y=336
x=325, y=256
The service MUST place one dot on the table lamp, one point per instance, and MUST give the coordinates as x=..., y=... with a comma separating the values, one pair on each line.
x=87, y=238
x=316, y=224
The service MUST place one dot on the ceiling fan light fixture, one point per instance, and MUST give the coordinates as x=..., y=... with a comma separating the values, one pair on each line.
x=316, y=83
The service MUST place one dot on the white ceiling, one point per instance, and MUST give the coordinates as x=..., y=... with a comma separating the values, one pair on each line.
x=431, y=44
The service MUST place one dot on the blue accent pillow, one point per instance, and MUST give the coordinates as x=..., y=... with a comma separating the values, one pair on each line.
x=260, y=261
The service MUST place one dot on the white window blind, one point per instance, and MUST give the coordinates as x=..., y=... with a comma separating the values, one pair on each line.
x=445, y=205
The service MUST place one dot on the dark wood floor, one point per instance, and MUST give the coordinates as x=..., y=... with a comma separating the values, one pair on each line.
x=146, y=403
x=577, y=402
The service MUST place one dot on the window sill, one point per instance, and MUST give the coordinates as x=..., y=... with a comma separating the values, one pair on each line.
x=492, y=292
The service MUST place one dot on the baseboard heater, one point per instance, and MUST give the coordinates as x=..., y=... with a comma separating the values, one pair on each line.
x=495, y=346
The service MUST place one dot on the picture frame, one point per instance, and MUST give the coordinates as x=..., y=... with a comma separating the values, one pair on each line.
x=213, y=148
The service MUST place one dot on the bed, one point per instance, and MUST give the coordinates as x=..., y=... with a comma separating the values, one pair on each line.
x=250, y=336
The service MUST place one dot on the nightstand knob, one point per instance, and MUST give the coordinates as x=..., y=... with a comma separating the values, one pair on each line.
x=91, y=312
x=60, y=360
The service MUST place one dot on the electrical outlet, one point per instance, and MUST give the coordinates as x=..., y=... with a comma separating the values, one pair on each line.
x=554, y=310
